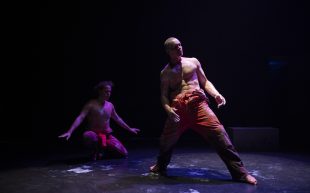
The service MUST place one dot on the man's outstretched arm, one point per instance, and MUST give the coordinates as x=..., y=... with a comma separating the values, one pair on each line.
x=208, y=86
x=78, y=120
x=122, y=123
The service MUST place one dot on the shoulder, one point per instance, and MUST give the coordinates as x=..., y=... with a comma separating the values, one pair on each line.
x=193, y=59
x=90, y=104
x=164, y=71
x=110, y=104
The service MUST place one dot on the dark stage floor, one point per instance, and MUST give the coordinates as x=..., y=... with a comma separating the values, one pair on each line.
x=192, y=170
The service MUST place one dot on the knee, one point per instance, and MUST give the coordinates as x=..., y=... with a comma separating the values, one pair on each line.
x=220, y=137
x=118, y=148
x=225, y=138
x=124, y=153
x=218, y=129
x=90, y=138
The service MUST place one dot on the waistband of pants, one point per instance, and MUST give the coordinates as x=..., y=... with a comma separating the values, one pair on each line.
x=102, y=132
x=189, y=93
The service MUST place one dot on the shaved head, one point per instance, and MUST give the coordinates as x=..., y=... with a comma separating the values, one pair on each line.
x=170, y=43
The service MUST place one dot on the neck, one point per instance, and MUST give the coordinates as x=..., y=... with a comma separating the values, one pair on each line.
x=101, y=100
x=175, y=61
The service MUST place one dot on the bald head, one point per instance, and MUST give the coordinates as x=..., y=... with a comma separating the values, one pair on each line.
x=170, y=43
x=173, y=47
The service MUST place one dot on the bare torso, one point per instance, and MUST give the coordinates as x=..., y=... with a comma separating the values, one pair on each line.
x=99, y=116
x=181, y=77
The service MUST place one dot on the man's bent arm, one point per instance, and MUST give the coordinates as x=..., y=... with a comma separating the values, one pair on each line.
x=119, y=120
x=164, y=87
x=79, y=119
x=207, y=85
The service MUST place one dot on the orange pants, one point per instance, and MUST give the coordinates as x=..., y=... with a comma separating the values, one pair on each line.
x=99, y=140
x=194, y=112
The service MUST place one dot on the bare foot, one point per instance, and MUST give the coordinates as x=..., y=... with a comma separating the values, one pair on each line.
x=157, y=170
x=154, y=168
x=250, y=179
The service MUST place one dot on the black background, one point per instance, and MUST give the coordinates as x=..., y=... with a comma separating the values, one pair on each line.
x=254, y=52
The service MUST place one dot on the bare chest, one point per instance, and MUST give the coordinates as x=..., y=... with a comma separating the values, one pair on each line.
x=102, y=111
x=182, y=73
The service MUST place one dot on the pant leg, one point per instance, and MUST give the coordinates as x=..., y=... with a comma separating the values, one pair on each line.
x=208, y=125
x=171, y=134
x=90, y=139
x=168, y=140
x=116, y=146
x=92, y=143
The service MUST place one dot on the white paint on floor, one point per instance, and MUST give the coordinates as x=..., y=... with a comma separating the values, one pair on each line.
x=105, y=168
x=257, y=173
x=80, y=170
x=191, y=191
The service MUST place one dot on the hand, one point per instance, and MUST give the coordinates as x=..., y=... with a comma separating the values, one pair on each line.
x=173, y=116
x=220, y=100
x=66, y=135
x=134, y=130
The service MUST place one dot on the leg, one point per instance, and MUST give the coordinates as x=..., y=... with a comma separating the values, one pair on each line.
x=208, y=125
x=116, y=146
x=171, y=133
x=91, y=141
